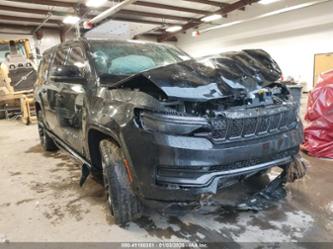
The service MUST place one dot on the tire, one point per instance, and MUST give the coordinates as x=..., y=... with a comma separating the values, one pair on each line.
x=123, y=203
x=45, y=140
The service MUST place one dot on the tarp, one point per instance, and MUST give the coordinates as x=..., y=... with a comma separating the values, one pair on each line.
x=318, y=135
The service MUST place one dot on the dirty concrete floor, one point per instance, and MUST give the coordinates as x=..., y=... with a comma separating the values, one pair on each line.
x=40, y=200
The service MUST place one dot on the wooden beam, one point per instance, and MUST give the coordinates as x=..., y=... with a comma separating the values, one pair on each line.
x=208, y=2
x=48, y=3
x=27, y=19
x=169, y=7
x=154, y=15
x=223, y=11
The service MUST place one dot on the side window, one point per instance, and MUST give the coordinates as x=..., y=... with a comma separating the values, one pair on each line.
x=76, y=58
x=59, y=60
x=60, y=57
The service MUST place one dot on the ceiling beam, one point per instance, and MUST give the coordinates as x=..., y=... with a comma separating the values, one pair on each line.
x=125, y=19
x=27, y=19
x=208, y=2
x=154, y=36
x=48, y=3
x=155, y=15
x=23, y=10
x=235, y=6
x=22, y=27
x=169, y=7
x=223, y=11
x=31, y=11
x=16, y=32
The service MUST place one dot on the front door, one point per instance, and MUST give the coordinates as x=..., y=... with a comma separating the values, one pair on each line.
x=50, y=92
x=70, y=102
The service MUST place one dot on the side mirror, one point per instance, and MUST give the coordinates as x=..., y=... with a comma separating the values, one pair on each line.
x=67, y=73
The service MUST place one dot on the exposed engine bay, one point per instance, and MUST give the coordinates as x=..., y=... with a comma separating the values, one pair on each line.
x=246, y=97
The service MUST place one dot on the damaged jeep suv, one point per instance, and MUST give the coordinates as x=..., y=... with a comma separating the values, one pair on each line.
x=161, y=126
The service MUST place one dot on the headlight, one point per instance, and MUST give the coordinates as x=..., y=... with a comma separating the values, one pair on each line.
x=171, y=124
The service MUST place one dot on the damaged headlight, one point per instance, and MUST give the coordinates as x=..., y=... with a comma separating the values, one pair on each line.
x=171, y=124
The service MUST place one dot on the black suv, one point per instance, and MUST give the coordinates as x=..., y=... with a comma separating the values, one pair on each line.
x=160, y=125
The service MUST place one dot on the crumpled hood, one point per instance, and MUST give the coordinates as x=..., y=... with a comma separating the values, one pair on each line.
x=213, y=77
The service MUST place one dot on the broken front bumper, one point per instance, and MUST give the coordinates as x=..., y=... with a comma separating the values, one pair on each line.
x=182, y=168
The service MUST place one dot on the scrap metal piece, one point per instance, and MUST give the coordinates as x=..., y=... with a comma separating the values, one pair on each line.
x=275, y=190
x=265, y=198
x=297, y=169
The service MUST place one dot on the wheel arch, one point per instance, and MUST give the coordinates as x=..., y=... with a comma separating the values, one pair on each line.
x=95, y=136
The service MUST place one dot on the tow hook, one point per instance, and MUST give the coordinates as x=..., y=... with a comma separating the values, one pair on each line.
x=85, y=171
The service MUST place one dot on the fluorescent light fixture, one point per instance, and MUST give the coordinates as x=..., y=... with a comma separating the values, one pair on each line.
x=173, y=29
x=211, y=18
x=268, y=1
x=95, y=3
x=71, y=19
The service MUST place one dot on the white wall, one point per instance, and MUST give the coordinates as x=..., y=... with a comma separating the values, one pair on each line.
x=50, y=39
x=291, y=38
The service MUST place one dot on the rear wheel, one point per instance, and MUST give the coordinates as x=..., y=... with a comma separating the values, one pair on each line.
x=45, y=139
x=123, y=203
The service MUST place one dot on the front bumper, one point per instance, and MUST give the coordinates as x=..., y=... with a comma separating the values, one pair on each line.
x=182, y=168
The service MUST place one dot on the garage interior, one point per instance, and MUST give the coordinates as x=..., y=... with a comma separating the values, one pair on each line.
x=41, y=199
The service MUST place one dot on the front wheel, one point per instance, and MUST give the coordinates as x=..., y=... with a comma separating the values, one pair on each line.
x=123, y=203
x=45, y=139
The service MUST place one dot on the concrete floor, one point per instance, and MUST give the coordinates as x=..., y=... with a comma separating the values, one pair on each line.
x=40, y=200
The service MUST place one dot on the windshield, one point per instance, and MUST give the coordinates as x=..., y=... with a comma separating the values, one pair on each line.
x=115, y=60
